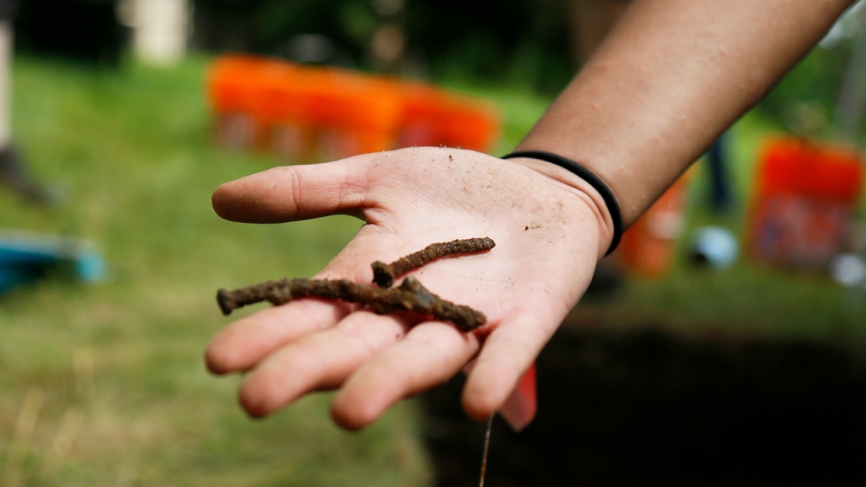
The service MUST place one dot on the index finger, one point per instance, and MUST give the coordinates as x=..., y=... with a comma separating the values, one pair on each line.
x=246, y=342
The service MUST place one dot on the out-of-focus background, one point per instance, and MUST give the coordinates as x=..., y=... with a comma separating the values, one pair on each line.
x=726, y=334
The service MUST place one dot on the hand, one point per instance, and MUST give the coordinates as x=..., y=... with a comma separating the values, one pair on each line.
x=550, y=230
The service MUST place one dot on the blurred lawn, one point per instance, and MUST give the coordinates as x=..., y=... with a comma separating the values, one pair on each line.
x=125, y=397
x=130, y=152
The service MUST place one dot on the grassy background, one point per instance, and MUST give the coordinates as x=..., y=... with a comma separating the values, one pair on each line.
x=130, y=153
x=104, y=385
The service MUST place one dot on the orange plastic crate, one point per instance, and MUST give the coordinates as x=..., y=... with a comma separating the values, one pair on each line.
x=804, y=196
x=301, y=112
x=238, y=88
x=334, y=113
x=647, y=247
x=432, y=117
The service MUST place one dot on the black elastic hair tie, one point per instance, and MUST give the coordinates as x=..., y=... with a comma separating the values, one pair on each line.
x=589, y=177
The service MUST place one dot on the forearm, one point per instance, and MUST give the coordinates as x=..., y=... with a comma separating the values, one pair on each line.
x=671, y=77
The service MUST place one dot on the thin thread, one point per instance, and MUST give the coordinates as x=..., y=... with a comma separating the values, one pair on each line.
x=486, y=449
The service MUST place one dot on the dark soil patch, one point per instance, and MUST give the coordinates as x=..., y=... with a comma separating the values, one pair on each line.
x=629, y=408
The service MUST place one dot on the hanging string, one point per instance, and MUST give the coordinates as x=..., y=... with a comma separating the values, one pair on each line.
x=486, y=448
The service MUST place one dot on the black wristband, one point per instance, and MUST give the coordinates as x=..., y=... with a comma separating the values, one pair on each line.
x=589, y=177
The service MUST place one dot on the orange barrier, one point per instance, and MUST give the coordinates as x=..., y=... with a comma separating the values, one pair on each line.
x=432, y=117
x=804, y=198
x=305, y=112
x=233, y=83
x=647, y=247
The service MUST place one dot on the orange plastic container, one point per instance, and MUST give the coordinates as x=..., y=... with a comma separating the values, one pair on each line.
x=647, y=247
x=239, y=87
x=332, y=113
x=432, y=117
x=804, y=197
x=282, y=110
x=299, y=111
x=234, y=83
x=353, y=114
x=328, y=113
x=231, y=82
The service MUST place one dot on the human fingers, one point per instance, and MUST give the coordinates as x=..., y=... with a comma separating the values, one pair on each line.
x=507, y=354
x=319, y=361
x=246, y=342
x=290, y=193
x=430, y=354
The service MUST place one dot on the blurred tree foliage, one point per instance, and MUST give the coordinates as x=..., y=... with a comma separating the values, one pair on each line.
x=80, y=30
x=522, y=41
x=814, y=84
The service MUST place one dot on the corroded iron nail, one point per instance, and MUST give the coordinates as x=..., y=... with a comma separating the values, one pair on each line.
x=409, y=296
x=384, y=274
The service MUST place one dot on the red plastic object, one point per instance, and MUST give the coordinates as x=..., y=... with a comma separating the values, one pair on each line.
x=520, y=407
x=805, y=194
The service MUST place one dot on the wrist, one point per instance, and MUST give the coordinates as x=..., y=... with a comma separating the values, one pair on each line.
x=582, y=189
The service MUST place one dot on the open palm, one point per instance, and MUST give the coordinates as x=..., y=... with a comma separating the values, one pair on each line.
x=548, y=240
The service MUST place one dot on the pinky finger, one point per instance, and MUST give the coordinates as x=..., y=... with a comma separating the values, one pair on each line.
x=507, y=354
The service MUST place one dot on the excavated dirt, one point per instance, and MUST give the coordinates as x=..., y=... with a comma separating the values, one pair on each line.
x=631, y=408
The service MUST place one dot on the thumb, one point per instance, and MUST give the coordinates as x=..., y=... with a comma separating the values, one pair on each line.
x=290, y=193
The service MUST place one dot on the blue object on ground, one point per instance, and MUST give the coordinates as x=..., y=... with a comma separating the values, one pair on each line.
x=715, y=246
x=26, y=258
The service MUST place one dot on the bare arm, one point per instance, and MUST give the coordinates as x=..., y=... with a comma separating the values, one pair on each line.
x=669, y=79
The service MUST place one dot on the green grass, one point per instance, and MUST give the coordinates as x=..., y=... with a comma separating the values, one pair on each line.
x=131, y=154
